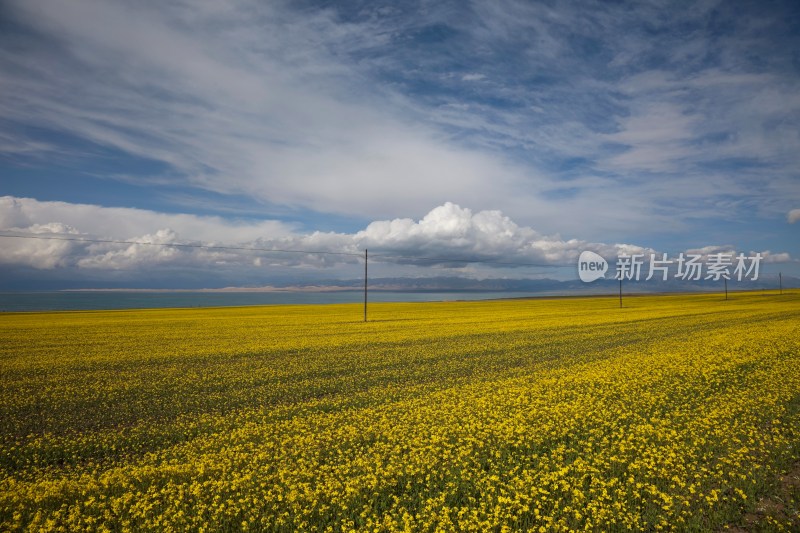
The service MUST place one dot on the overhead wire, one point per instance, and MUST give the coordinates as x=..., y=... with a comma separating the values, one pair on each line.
x=409, y=259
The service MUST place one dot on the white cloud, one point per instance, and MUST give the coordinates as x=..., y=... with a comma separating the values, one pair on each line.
x=250, y=99
x=39, y=253
x=793, y=216
x=26, y=215
x=706, y=251
x=448, y=231
x=455, y=232
x=657, y=137
x=133, y=255
x=769, y=257
x=683, y=123
x=430, y=246
x=125, y=223
x=296, y=108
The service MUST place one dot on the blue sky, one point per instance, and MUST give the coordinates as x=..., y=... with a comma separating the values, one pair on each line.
x=507, y=129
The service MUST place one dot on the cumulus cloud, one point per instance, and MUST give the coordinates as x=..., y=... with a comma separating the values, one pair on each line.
x=769, y=257
x=449, y=232
x=793, y=216
x=120, y=222
x=36, y=252
x=63, y=220
x=150, y=250
x=475, y=243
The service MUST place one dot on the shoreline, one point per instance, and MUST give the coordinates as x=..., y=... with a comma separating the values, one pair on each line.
x=493, y=298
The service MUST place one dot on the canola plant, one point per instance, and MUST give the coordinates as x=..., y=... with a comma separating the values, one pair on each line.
x=673, y=413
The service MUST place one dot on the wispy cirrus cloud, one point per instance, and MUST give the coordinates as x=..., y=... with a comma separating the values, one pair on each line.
x=600, y=121
x=210, y=93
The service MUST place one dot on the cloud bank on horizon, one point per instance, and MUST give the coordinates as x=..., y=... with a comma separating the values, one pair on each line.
x=448, y=231
x=344, y=126
x=443, y=238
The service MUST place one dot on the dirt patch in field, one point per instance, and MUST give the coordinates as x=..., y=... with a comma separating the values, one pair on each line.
x=777, y=512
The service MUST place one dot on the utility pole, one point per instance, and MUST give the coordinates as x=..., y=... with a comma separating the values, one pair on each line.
x=780, y=282
x=726, y=288
x=620, y=292
x=365, y=284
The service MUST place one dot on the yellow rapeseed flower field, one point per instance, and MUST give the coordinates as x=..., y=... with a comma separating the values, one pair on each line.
x=673, y=413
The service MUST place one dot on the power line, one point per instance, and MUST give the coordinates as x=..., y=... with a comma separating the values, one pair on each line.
x=378, y=256
x=410, y=258
x=178, y=245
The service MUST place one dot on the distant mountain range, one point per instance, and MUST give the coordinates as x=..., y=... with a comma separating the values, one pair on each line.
x=458, y=284
x=602, y=286
x=538, y=286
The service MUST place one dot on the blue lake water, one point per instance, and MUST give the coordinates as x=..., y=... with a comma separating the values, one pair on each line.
x=65, y=300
